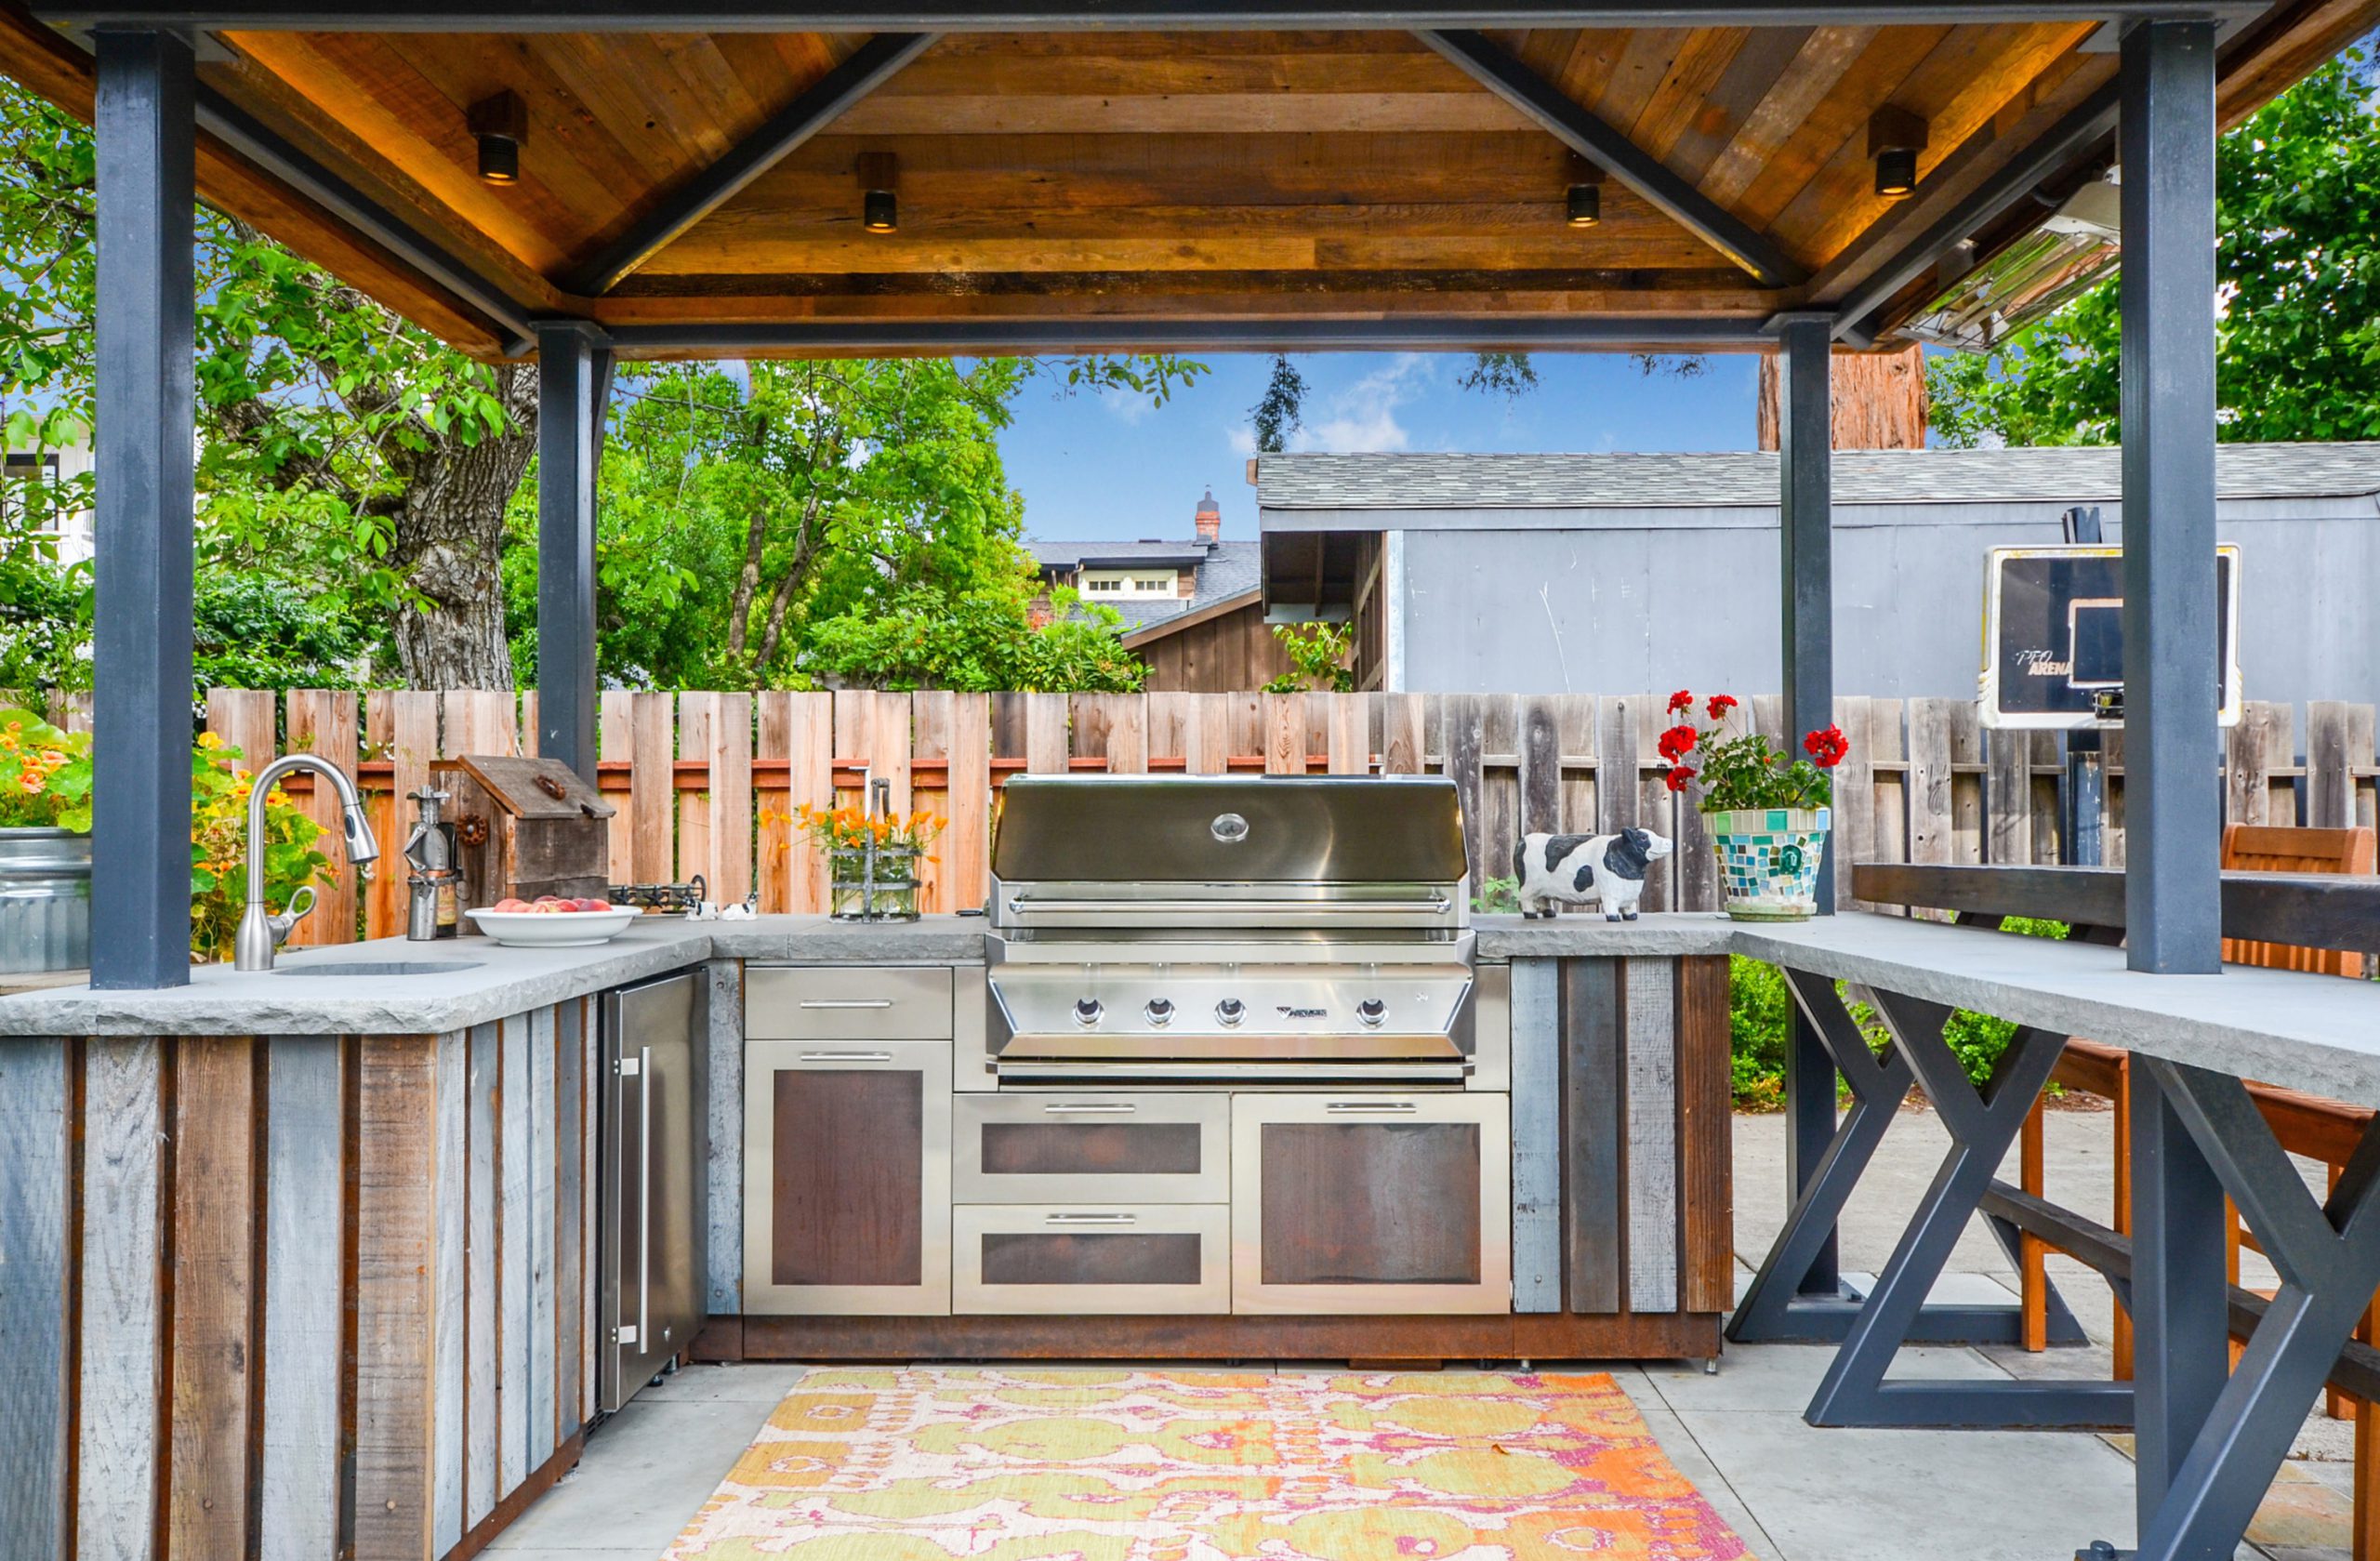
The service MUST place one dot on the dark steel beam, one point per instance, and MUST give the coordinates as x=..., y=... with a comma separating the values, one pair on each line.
x=2173, y=808
x=244, y=134
x=1858, y=321
x=573, y=370
x=874, y=62
x=1806, y=536
x=147, y=319
x=1500, y=71
x=2180, y=1313
x=1013, y=16
x=1093, y=333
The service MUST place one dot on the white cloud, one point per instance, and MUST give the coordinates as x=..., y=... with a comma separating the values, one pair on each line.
x=1125, y=407
x=1363, y=416
x=1241, y=438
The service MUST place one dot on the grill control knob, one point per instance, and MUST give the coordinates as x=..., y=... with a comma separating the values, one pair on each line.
x=1087, y=1011
x=1231, y=1010
x=1372, y=1011
x=1160, y=1011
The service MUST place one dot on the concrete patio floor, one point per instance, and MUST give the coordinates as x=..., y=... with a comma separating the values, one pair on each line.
x=1794, y=1493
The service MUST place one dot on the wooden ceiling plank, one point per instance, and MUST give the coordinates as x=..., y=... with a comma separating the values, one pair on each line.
x=1686, y=87
x=1837, y=117
x=1216, y=112
x=963, y=301
x=1231, y=65
x=1817, y=65
x=332, y=90
x=1595, y=139
x=766, y=145
x=1275, y=251
x=747, y=228
x=1644, y=62
x=1595, y=55
x=727, y=109
x=1632, y=284
x=1767, y=55
x=617, y=85
x=1956, y=91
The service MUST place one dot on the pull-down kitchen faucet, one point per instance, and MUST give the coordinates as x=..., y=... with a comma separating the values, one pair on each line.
x=260, y=931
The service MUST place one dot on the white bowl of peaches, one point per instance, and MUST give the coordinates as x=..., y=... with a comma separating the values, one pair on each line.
x=552, y=921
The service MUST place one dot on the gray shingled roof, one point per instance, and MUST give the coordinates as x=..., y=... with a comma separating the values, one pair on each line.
x=1419, y=481
x=1228, y=570
x=1068, y=555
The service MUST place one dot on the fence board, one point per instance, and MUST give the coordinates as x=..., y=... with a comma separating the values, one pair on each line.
x=1045, y=733
x=118, y=1387
x=929, y=745
x=2252, y=750
x=695, y=713
x=412, y=743
x=728, y=824
x=1966, y=782
x=1286, y=740
x=616, y=738
x=1463, y=721
x=1616, y=794
x=966, y=849
x=1401, y=748
x=1929, y=780
x=652, y=790
x=1656, y=804
x=1888, y=787
x=1541, y=773
x=245, y=718
x=2048, y=751
x=2338, y=744
x=323, y=721
x=2111, y=847
x=810, y=778
x=1500, y=789
x=1574, y=721
x=36, y=1093
x=304, y=1181
x=2007, y=799
x=481, y=721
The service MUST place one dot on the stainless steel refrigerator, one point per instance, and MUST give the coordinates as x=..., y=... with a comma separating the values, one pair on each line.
x=650, y=1288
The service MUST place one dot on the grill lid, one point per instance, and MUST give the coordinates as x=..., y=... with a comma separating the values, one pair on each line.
x=1213, y=830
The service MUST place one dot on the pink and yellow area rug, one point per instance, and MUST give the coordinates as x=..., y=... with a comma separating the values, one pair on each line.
x=1125, y=1465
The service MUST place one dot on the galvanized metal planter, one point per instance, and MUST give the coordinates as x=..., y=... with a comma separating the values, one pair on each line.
x=45, y=901
x=1769, y=860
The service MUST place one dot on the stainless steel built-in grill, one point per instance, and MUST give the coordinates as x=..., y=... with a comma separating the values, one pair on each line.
x=1193, y=929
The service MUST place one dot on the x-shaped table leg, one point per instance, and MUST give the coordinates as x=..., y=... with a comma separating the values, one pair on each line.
x=2203, y=1471
x=1981, y=1125
x=1774, y=1308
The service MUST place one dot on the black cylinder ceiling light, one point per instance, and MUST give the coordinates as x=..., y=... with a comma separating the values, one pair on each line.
x=1582, y=205
x=1895, y=138
x=500, y=124
x=880, y=207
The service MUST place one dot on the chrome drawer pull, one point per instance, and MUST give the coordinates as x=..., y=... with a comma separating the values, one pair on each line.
x=1087, y=1109
x=846, y=1002
x=847, y=1056
x=1090, y=1218
x=1352, y=1106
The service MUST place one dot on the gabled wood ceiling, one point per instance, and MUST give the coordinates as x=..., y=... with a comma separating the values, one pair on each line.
x=1149, y=175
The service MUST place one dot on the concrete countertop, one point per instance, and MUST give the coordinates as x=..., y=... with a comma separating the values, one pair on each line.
x=1661, y=936
x=220, y=1000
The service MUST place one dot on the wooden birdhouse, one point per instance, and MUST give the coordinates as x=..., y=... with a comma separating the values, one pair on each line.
x=524, y=827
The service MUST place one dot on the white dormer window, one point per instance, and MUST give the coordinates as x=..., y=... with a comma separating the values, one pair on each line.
x=1131, y=582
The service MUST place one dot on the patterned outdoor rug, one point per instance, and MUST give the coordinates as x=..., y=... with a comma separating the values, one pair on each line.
x=1120, y=1465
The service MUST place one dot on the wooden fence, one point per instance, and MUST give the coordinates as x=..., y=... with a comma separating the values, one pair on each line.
x=707, y=783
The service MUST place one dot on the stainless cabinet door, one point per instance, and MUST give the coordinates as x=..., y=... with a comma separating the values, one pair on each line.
x=1366, y=1204
x=651, y=1174
x=847, y=1178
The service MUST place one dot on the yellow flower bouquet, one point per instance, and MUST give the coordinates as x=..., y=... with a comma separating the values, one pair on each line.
x=872, y=859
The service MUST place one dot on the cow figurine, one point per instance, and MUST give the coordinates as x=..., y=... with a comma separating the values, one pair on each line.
x=1586, y=869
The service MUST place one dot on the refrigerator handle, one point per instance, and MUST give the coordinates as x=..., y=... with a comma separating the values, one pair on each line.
x=644, y=1196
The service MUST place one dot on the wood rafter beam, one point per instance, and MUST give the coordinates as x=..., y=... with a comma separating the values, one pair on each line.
x=1020, y=16
x=708, y=189
x=1501, y=73
x=1089, y=332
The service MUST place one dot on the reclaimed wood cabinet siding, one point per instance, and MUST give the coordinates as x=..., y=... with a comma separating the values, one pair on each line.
x=230, y=1266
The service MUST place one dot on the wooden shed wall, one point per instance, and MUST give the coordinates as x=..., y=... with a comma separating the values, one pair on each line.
x=1221, y=655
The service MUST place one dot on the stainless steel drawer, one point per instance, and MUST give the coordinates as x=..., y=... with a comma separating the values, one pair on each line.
x=1105, y=1147
x=847, y=1002
x=1090, y=1258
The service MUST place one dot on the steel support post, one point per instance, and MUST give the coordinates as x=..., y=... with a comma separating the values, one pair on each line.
x=2172, y=817
x=573, y=372
x=1810, y=1135
x=147, y=316
x=1981, y=1126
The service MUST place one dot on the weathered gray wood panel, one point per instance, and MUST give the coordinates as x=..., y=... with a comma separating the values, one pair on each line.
x=1650, y=989
x=570, y=1253
x=305, y=1180
x=512, y=1259
x=118, y=1383
x=1537, y=1135
x=447, y=1441
x=1591, y=1131
x=591, y=1059
x=726, y=1157
x=539, y=1237
x=35, y=1138
x=478, y=1279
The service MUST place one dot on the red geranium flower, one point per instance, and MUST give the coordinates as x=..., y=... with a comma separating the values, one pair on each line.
x=1827, y=747
x=1720, y=704
x=1676, y=776
x=1677, y=742
x=1682, y=701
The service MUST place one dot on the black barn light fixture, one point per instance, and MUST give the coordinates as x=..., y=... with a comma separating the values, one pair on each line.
x=1583, y=207
x=1895, y=138
x=880, y=207
x=501, y=124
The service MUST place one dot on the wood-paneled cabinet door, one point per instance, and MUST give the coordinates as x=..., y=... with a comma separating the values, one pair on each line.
x=847, y=1178
x=1064, y=1146
x=1367, y=1204
x=1168, y=1258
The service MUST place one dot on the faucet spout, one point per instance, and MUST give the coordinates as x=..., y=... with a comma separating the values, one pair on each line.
x=261, y=931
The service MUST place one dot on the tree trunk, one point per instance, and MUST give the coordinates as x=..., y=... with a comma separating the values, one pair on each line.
x=449, y=543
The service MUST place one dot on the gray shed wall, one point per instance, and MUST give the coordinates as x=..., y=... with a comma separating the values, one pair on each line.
x=1650, y=600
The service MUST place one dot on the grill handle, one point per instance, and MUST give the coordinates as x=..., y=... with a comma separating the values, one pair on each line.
x=1090, y=1108
x=1372, y=1107
x=1063, y=1219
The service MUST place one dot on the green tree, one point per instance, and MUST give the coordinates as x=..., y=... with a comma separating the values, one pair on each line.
x=2297, y=203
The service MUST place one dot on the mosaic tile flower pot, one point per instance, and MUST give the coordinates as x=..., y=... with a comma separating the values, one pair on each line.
x=1769, y=860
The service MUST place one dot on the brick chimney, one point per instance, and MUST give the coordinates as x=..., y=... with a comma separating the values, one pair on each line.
x=1211, y=519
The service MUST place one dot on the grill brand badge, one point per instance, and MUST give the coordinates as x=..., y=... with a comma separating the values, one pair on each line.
x=1289, y=1013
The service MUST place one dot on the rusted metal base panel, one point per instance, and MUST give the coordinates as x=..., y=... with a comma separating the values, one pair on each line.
x=1542, y=1336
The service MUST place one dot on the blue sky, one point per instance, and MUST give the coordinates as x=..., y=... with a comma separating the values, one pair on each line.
x=1094, y=466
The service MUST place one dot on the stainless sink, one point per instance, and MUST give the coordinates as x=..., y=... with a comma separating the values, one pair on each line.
x=383, y=966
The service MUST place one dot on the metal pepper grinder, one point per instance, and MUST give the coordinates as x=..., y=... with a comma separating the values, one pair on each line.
x=432, y=905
